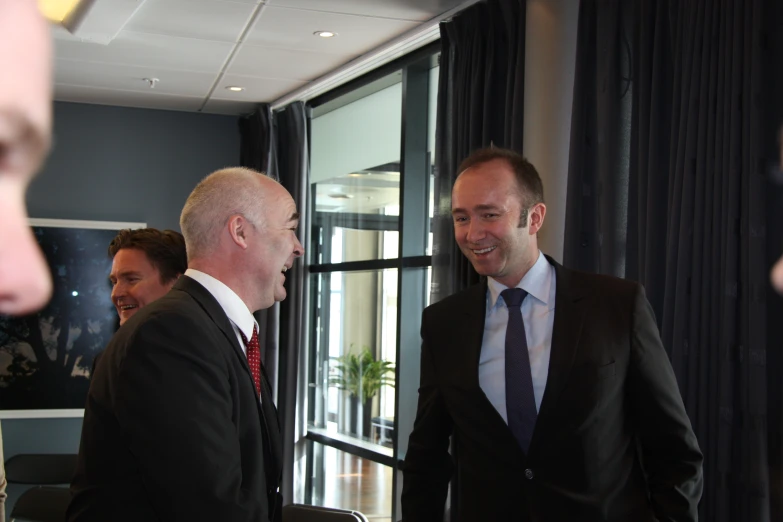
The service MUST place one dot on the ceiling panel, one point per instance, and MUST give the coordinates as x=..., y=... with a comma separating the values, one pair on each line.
x=414, y=10
x=267, y=62
x=152, y=50
x=256, y=89
x=188, y=44
x=192, y=19
x=146, y=100
x=294, y=28
x=129, y=78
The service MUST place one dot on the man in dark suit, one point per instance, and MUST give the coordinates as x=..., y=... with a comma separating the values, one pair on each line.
x=553, y=384
x=179, y=423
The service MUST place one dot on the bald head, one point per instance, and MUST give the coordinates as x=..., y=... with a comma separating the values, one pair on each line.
x=222, y=194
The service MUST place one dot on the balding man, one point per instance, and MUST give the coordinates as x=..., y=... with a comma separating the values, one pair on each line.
x=179, y=423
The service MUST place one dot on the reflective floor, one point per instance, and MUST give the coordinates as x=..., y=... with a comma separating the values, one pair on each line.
x=355, y=483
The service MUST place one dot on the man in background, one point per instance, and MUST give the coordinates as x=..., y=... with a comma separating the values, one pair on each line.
x=179, y=423
x=146, y=263
x=25, y=134
x=553, y=384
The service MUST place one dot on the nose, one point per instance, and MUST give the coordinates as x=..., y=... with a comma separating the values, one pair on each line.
x=475, y=232
x=25, y=282
x=298, y=248
x=117, y=291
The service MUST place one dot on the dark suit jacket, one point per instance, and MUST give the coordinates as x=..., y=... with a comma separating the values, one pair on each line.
x=612, y=440
x=173, y=429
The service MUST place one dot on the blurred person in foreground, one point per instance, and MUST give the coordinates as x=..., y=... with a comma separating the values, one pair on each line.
x=776, y=276
x=146, y=262
x=25, y=134
x=179, y=423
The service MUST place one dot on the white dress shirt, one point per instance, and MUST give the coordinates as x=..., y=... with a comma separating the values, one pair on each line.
x=236, y=309
x=538, y=314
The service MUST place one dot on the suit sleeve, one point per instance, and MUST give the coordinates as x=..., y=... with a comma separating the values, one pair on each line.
x=670, y=453
x=173, y=404
x=428, y=466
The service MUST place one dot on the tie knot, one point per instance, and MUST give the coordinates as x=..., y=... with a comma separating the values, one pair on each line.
x=252, y=339
x=513, y=297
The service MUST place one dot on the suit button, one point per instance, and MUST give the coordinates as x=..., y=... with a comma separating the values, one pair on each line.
x=529, y=474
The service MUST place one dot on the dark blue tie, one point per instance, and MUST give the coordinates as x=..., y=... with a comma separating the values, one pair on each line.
x=520, y=400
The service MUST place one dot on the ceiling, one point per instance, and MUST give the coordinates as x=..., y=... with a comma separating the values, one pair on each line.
x=198, y=48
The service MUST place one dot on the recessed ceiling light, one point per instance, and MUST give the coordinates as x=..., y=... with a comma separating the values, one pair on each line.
x=325, y=34
x=235, y=88
x=341, y=196
x=57, y=10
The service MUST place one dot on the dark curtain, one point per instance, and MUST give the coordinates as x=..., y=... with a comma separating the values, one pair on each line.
x=293, y=161
x=480, y=103
x=667, y=182
x=277, y=144
x=257, y=141
x=257, y=151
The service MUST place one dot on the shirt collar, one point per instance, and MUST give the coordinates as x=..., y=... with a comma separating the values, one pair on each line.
x=236, y=309
x=536, y=282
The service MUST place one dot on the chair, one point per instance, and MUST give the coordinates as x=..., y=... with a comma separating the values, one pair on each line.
x=43, y=503
x=303, y=513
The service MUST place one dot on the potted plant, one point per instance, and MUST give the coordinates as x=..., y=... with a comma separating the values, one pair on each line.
x=362, y=377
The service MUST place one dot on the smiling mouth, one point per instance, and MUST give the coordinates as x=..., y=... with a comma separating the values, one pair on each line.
x=484, y=250
x=125, y=308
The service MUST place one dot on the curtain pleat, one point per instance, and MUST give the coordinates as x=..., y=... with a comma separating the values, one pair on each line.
x=692, y=226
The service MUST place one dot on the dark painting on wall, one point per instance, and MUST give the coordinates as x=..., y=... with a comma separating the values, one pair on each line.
x=46, y=358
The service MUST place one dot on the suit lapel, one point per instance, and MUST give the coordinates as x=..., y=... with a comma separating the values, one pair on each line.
x=266, y=410
x=471, y=328
x=216, y=313
x=566, y=331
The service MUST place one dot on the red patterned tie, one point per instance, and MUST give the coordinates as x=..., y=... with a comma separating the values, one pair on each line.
x=254, y=357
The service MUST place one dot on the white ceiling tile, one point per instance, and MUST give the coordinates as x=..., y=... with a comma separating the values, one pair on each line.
x=256, y=89
x=130, y=78
x=267, y=62
x=145, y=100
x=415, y=10
x=235, y=108
x=294, y=28
x=202, y=19
x=150, y=50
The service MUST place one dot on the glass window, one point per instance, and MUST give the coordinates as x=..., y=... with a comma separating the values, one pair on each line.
x=355, y=349
x=362, y=258
x=355, y=174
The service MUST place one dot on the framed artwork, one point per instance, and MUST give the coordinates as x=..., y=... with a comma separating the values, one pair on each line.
x=46, y=358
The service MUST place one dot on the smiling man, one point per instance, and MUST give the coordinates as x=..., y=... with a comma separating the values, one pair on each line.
x=180, y=423
x=146, y=263
x=553, y=385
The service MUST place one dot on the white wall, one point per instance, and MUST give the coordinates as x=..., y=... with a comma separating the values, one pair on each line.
x=357, y=136
x=550, y=61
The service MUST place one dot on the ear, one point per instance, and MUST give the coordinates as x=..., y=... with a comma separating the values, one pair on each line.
x=238, y=230
x=536, y=217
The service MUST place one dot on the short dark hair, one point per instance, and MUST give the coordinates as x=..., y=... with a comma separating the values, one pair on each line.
x=531, y=188
x=164, y=248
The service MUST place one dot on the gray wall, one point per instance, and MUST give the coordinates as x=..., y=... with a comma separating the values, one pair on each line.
x=550, y=64
x=117, y=164
x=121, y=164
